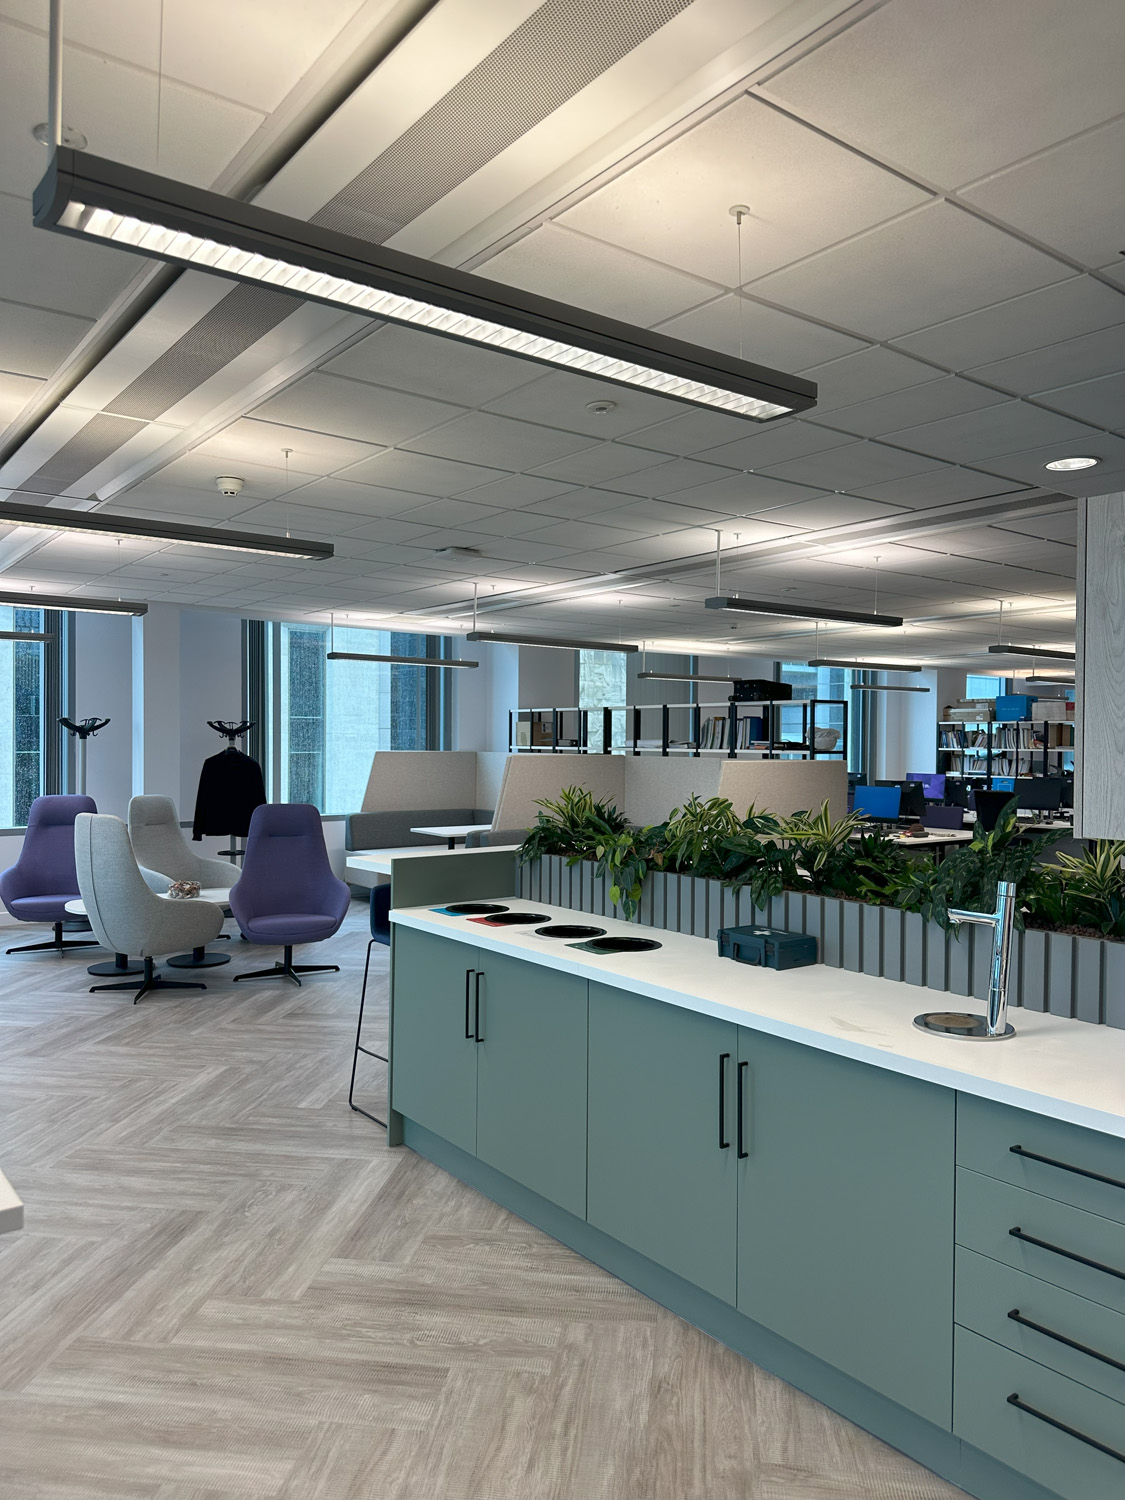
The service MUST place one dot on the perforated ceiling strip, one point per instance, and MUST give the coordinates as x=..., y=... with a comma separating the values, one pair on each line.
x=558, y=50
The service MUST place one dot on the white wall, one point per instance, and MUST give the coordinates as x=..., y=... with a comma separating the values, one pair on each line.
x=103, y=688
x=210, y=673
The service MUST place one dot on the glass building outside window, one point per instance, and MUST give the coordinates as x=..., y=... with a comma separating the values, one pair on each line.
x=329, y=717
x=603, y=682
x=22, y=717
x=824, y=682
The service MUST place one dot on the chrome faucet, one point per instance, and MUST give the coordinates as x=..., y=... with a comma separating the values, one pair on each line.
x=994, y=1026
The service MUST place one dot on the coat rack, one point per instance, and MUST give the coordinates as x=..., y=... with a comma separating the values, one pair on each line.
x=83, y=729
x=231, y=731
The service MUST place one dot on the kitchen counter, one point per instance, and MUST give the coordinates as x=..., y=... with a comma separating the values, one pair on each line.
x=1060, y=1068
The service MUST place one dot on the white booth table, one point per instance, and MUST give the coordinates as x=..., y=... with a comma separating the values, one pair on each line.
x=453, y=833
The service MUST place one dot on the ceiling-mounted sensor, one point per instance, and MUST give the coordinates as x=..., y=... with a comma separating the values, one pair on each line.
x=458, y=552
x=229, y=484
x=601, y=408
x=70, y=137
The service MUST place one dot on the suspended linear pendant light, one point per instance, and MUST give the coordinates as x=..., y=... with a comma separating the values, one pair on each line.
x=887, y=687
x=562, y=643
x=108, y=203
x=77, y=602
x=129, y=528
x=797, y=611
x=866, y=666
x=394, y=660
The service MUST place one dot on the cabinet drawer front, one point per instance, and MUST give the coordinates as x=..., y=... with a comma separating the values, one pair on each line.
x=988, y=1211
x=1070, y=1334
x=1010, y=1144
x=986, y=1375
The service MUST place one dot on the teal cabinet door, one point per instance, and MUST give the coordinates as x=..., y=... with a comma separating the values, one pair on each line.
x=433, y=1053
x=660, y=1179
x=845, y=1215
x=531, y=1078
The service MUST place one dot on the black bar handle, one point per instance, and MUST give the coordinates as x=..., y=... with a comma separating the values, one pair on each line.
x=468, y=1022
x=476, y=1007
x=741, y=1111
x=1065, y=1166
x=724, y=1058
x=1061, y=1338
x=1030, y=1239
x=1032, y=1411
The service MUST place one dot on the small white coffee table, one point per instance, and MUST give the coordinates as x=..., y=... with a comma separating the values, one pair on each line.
x=453, y=833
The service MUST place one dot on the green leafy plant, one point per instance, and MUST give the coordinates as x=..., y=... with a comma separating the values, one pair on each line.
x=1084, y=892
x=695, y=837
x=573, y=826
x=625, y=858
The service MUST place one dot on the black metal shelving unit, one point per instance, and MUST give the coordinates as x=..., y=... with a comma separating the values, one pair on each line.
x=962, y=759
x=566, y=731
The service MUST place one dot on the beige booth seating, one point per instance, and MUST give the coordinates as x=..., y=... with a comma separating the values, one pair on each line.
x=784, y=787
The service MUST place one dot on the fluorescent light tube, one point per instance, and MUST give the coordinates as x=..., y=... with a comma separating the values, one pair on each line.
x=107, y=202
x=560, y=642
x=865, y=666
x=681, y=677
x=797, y=611
x=1031, y=651
x=129, y=528
x=886, y=687
x=401, y=661
x=75, y=602
x=24, y=635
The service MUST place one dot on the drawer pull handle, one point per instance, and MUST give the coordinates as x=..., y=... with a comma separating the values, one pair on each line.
x=1065, y=1166
x=1061, y=1338
x=1032, y=1411
x=740, y=1122
x=468, y=1019
x=724, y=1058
x=1030, y=1239
x=477, y=1037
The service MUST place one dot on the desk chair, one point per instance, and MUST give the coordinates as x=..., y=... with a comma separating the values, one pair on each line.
x=380, y=933
x=881, y=803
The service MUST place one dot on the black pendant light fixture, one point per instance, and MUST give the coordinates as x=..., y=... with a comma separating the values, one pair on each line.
x=133, y=529
x=107, y=203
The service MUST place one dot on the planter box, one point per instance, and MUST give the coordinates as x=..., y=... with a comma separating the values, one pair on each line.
x=1080, y=977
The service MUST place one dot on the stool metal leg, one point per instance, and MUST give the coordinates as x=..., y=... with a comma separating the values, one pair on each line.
x=367, y=1052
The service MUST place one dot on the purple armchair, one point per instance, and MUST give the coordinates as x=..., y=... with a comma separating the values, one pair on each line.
x=40, y=883
x=287, y=892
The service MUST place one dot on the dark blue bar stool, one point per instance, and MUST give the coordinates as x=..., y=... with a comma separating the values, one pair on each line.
x=380, y=933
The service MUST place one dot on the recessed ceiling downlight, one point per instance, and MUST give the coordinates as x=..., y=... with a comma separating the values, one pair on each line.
x=1065, y=465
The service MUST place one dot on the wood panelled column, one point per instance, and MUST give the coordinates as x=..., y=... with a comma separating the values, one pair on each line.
x=1099, y=778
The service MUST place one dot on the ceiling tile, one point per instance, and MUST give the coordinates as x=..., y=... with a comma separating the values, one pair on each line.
x=928, y=265
x=691, y=433
x=352, y=409
x=586, y=273
x=857, y=464
x=15, y=392
x=420, y=472
x=601, y=464
x=1019, y=324
x=672, y=206
x=484, y=437
x=1101, y=401
x=668, y=478
x=649, y=516
x=198, y=471
x=833, y=510
x=360, y=499
x=575, y=504
x=770, y=336
x=938, y=487
x=560, y=400
x=443, y=369
x=861, y=377
x=1050, y=197
x=265, y=443
x=54, y=272
x=773, y=445
x=984, y=434
x=34, y=341
x=739, y=494
x=1027, y=464
x=585, y=533
x=517, y=490
x=918, y=403
x=975, y=67
x=446, y=513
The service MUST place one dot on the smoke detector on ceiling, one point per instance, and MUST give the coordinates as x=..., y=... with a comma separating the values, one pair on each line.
x=229, y=484
x=601, y=408
x=458, y=552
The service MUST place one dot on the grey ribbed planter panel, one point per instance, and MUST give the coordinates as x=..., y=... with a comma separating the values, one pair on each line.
x=1078, y=977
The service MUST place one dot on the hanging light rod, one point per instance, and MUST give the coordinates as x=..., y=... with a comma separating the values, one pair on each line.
x=561, y=642
x=399, y=661
x=682, y=677
x=107, y=202
x=1040, y=679
x=25, y=635
x=797, y=612
x=75, y=602
x=1031, y=651
x=886, y=687
x=866, y=666
x=128, y=528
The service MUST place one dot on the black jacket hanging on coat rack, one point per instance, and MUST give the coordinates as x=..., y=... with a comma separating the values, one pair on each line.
x=231, y=786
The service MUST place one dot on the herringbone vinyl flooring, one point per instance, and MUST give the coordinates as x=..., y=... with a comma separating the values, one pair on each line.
x=230, y=1287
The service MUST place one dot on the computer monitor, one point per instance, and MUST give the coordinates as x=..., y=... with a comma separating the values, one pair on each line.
x=1041, y=793
x=933, y=784
x=879, y=802
x=989, y=806
x=957, y=792
x=1004, y=784
x=1067, y=784
x=913, y=803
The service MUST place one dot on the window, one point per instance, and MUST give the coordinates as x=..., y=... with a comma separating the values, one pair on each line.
x=824, y=682
x=23, y=719
x=603, y=683
x=329, y=717
x=984, y=687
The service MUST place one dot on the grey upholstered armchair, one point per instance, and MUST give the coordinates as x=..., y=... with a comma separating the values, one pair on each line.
x=159, y=844
x=126, y=914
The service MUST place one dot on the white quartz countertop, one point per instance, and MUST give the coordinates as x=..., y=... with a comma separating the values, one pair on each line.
x=1065, y=1069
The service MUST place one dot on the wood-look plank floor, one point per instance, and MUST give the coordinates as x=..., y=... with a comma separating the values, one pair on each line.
x=230, y=1287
